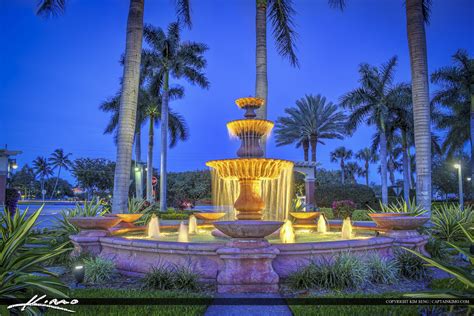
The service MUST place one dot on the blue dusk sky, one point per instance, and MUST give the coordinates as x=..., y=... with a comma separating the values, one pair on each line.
x=55, y=73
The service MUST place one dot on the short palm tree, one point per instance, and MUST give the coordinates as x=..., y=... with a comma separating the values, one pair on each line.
x=59, y=160
x=167, y=58
x=341, y=155
x=367, y=156
x=130, y=87
x=312, y=121
x=42, y=171
x=456, y=96
x=352, y=171
x=373, y=102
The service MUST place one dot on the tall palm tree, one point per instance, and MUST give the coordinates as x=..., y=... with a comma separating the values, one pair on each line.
x=43, y=171
x=280, y=13
x=149, y=105
x=417, y=14
x=312, y=120
x=59, y=160
x=367, y=156
x=341, y=155
x=456, y=95
x=373, y=102
x=169, y=57
x=129, y=95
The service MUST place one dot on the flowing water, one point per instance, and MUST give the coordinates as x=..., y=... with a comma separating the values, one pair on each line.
x=322, y=224
x=192, y=225
x=154, y=227
x=183, y=235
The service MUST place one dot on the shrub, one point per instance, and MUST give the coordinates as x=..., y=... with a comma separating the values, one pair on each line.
x=436, y=248
x=138, y=206
x=446, y=219
x=327, y=211
x=400, y=206
x=11, y=199
x=164, y=277
x=343, y=209
x=360, y=215
x=98, y=269
x=345, y=271
x=410, y=265
x=362, y=195
x=381, y=271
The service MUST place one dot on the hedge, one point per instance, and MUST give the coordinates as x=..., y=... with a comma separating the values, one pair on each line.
x=362, y=195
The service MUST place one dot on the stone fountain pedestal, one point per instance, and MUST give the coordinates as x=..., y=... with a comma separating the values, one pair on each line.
x=247, y=267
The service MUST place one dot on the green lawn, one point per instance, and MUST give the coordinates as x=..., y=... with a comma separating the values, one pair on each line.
x=125, y=310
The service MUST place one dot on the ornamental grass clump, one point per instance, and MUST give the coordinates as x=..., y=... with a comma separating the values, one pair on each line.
x=447, y=218
x=98, y=270
x=381, y=270
x=165, y=277
x=401, y=206
x=410, y=265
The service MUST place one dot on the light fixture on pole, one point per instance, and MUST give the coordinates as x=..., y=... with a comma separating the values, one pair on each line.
x=461, y=195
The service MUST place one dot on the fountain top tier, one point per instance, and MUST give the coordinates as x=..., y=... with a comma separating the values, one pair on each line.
x=250, y=168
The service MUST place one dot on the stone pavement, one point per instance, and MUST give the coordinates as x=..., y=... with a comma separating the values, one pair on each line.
x=249, y=310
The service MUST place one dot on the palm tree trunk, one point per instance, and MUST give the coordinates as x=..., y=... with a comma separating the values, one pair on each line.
x=342, y=171
x=383, y=166
x=367, y=173
x=128, y=105
x=391, y=171
x=149, y=164
x=164, y=142
x=420, y=94
x=138, y=158
x=56, y=182
x=306, y=150
x=42, y=188
x=406, y=174
x=261, y=82
x=314, y=143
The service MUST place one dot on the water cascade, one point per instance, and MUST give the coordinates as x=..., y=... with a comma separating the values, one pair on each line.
x=257, y=188
x=322, y=225
x=346, y=229
x=192, y=226
x=183, y=235
x=287, y=233
x=154, y=228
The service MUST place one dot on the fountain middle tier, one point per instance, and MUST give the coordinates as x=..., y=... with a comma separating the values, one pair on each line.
x=249, y=172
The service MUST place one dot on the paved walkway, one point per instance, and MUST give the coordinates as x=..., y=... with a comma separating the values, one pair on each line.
x=249, y=310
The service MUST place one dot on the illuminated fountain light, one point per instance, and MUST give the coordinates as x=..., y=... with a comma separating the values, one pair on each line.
x=154, y=228
x=346, y=229
x=322, y=225
x=192, y=225
x=183, y=235
x=287, y=233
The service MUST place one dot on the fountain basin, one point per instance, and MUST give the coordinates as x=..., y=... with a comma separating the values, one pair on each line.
x=305, y=217
x=399, y=222
x=95, y=223
x=209, y=216
x=248, y=228
x=129, y=218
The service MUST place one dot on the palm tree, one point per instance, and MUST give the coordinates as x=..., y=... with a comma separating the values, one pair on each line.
x=353, y=170
x=149, y=105
x=280, y=13
x=367, y=156
x=457, y=96
x=169, y=57
x=311, y=121
x=417, y=14
x=341, y=154
x=60, y=161
x=43, y=171
x=129, y=95
x=373, y=103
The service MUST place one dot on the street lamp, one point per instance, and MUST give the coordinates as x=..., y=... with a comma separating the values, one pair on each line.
x=461, y=197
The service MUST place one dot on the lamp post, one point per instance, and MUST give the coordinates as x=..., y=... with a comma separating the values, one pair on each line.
x=461, y=195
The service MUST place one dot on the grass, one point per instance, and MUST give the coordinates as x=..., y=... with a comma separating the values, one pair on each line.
x=126, y=310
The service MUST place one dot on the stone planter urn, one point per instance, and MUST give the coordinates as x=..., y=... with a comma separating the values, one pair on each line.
x=209, y=217
x=305, y=218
